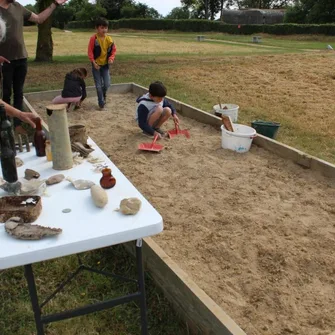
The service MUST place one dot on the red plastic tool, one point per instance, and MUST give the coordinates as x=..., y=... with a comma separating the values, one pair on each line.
x=151, y=146
x=178, y=131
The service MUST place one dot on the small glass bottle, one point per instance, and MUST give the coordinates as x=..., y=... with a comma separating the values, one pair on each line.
x=48, y=150
x=39, y=138
x=7, y=126
x=8, y=163
x=107, y=180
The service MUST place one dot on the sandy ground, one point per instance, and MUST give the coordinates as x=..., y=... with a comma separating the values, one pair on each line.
x=255, y=231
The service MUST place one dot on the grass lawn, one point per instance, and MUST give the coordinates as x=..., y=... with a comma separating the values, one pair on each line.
x=286, y=84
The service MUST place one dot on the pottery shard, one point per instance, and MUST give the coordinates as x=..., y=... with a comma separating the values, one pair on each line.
x=80, y=184
x=99, y=196
x=30, y=174
x=26, y=231
x=18, y=161
x=130, y=206
x=57, y=178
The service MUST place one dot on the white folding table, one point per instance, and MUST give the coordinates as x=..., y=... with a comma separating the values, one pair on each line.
x=85, y=228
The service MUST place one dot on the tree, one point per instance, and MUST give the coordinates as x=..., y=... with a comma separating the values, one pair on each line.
x=62, y=15
x=141, y=10
x=44, y=48
x=264, y=4
x=310, y=11
x=179, y=13
x=90, y=12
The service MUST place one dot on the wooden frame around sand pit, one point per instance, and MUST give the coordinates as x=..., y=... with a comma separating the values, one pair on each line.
x=195, y=307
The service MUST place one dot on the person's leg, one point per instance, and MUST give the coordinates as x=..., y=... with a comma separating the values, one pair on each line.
x=106, y=80
x=159, y=116
x=7, y=81
x=98, y=86
x=19, y=77
x=164, y=117
x=60, y=100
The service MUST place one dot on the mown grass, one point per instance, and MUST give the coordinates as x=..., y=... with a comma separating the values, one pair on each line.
x=16, y=314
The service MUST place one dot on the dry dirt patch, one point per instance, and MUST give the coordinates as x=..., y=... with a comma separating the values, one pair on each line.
x=255, y=231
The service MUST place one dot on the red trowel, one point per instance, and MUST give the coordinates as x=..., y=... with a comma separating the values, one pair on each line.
x=177, y=131
x=151, y=146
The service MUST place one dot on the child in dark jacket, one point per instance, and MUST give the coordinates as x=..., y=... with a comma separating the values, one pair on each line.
x=153, y=110
x=74, y=90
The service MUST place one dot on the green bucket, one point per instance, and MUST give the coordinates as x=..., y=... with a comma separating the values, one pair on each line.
x=266, y=128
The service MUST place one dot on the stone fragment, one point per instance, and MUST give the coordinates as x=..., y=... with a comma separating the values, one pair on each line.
x=57, y=178
x=30, y=174
x=99, y=196
x=130, y=206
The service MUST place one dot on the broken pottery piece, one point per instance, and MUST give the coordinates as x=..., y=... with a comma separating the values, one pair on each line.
x=28, y=208
x=18, y=161
x=130, y=206
x=94, y=160
x=80, y=184
x=33, y=187
x=83, y=149
x=30, y=174
x=57, y=178
x=26, y=231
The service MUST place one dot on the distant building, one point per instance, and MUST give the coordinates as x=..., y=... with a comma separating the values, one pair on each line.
x=253, y=16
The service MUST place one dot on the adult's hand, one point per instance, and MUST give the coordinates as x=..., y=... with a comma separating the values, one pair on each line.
x=27, y=118
x=4, y=60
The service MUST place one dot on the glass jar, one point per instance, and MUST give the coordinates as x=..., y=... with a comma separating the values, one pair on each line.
x=107, y=180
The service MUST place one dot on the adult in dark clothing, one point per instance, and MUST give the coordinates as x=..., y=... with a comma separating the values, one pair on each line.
x=74, y=90
x=13, y=53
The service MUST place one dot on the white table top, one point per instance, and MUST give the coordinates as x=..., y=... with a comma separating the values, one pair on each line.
x=86, y=227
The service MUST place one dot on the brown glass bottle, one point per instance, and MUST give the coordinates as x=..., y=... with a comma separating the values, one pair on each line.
x=5, y=125
x=107, y=180
x=8, y=163
x=39, y=138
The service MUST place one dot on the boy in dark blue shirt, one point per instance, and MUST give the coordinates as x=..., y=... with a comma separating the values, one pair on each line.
x=153, y=110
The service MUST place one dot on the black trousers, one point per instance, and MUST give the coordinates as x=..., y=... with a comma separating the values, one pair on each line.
x=14, y=75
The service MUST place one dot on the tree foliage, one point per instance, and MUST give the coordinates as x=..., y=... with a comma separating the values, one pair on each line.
x=179, y=13
x=310, y=11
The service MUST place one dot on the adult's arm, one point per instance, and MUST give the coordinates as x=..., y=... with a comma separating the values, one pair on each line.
x=83, y=90
x=23, y=116
x=41, y=17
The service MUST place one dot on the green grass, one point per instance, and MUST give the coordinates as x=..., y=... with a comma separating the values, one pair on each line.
x=17, y=317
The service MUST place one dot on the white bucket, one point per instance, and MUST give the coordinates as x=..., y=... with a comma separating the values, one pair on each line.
x=240, y=140
x=227, y=109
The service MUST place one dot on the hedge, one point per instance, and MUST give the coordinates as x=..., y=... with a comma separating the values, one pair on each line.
x=206, y=25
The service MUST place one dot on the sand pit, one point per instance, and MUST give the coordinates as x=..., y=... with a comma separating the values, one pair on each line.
x=255, y=231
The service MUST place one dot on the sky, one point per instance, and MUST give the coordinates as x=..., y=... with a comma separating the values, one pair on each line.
x=163, y=7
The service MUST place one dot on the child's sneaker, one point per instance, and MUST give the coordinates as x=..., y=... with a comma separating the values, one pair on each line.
x=147, y=134
x=162, y=132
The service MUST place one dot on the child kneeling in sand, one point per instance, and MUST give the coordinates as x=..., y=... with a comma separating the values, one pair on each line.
x=74, y=90
x=153, y=110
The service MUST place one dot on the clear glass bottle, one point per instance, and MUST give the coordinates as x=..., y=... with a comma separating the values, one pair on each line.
x=48, y=150
x=39, y=138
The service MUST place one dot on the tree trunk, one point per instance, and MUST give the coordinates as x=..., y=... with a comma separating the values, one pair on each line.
x=221, y=9
x=44, y=48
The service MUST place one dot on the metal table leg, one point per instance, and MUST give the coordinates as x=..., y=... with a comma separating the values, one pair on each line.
x=28, y=272
x=141, y=286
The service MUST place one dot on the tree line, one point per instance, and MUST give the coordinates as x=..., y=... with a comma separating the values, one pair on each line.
x=297, y=11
